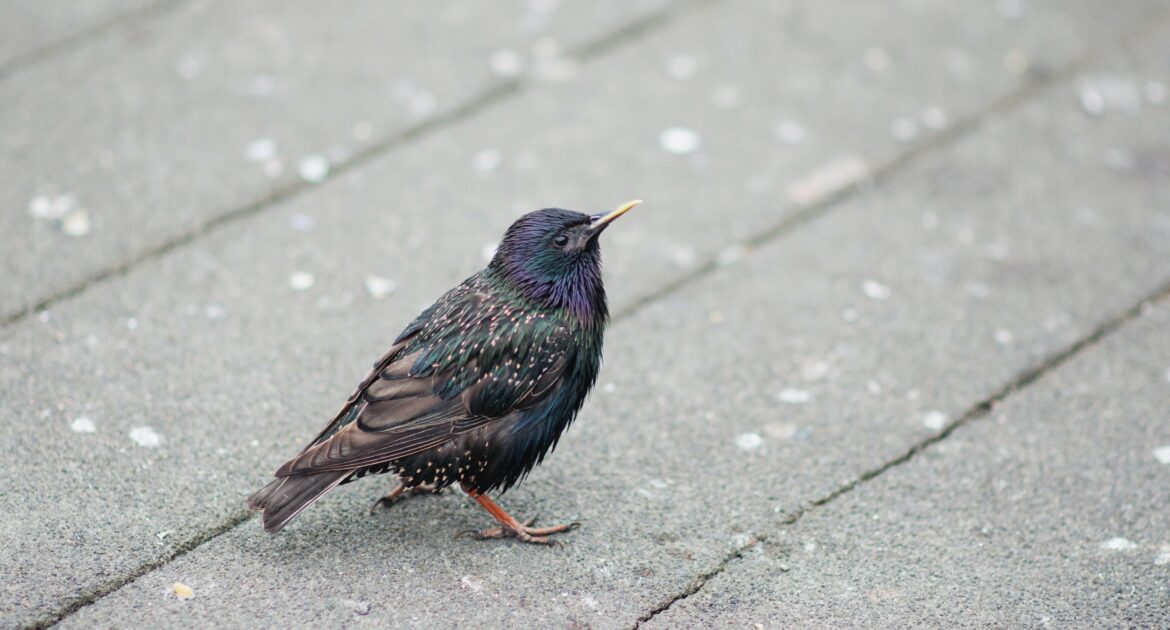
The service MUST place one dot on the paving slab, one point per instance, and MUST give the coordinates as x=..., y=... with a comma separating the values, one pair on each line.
x=807, y=361
x=168, y=149
x=29, y=27
x=136, y=139
x=1048, y=512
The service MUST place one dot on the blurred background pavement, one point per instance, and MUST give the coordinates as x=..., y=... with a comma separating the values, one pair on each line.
x=891, y=343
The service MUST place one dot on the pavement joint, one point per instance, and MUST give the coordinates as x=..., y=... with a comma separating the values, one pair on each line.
x=498, y=93
x=105, y=588
x=1038, y=83
x=980, y=409
x=47, y=51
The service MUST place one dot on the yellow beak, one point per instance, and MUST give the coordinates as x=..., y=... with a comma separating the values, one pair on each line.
x=601, y=220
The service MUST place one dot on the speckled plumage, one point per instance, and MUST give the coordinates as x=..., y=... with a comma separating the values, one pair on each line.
x=480, y=386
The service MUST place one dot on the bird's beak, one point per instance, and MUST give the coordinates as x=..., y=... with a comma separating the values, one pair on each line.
x=598, y=222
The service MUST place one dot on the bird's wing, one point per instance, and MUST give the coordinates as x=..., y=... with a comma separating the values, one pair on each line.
x=437, y=382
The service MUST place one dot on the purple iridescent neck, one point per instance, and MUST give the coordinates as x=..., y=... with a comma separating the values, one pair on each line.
x=577, y=289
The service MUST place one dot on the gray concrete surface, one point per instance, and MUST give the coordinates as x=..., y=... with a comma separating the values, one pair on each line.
x=832, y=335
x=1048, y=512
x=212, y=108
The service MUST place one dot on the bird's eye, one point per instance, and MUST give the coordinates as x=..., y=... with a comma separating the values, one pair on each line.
x=561, y=240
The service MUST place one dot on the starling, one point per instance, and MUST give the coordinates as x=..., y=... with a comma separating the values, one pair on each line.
x=478, y=388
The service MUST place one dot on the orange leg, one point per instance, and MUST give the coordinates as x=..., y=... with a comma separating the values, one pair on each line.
x=510, y=527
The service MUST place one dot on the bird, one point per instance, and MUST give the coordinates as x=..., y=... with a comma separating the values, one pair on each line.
x=478, y=389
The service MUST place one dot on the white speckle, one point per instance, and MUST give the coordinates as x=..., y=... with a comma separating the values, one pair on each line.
x=934, y=420
x=683, y=256
x=313, y=168
x=132, y=323
x=1168, y=375
x=930, y=221
x=726, y=97
x=42, y=207
x=876, y=59
x=163, y=535
x=189, y=66
x=828, y=180
x=904, y=129
x=814, y=369
x=749, y=442
x=794, y=396
x=731, y=255
x=301, y=280
x=679, y=140
x=471, y=582
x=1003, y=336
x=1162, y=454
x=681, y=67
x=875, y=290
x=741, y=540
x=1156, y=92
x=781, y=430
x=487, y=160
x=379, y=287
x=362, y=131
x=261, y=149
x=934, y=118
x=145, y=436
x=76, y=223
x=873, y=387
x=609, y=388
x=590, y=601
x=254, y=443
x=1163, y=556
x=789, y=132
x=810, y=546
x=658, y=484
x=214, y=311
x=506, y=63
x=1092, y=101
x=302, y=222
x=82, y=424
x=488, y=251
x=1118, y=544
x=849, y=314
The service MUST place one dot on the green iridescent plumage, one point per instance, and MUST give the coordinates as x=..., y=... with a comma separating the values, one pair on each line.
x=478, y=388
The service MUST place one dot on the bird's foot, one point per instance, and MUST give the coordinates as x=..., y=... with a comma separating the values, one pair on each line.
x=522, y=532
x=400, y=493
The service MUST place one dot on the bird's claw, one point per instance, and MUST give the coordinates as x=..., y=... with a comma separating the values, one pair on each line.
x=524, y=533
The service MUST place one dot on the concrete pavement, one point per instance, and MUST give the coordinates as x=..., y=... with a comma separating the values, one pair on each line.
x=860, y=243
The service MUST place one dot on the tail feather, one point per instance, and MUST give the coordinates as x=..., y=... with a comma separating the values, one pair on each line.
x=285, y=497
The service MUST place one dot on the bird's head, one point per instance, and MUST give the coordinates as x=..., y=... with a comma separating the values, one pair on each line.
x=552, y=256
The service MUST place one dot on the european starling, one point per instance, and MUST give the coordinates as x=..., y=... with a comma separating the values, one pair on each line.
x=478, y=388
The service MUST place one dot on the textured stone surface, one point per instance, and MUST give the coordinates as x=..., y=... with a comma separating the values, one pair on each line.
x=1048, y=512
x=801, y=360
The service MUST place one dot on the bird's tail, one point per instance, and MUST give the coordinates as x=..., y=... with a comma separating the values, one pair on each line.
x=285, y=497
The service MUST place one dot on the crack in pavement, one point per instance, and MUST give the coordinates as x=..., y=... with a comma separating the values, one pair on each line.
x=500, y=92
x=885, y=172
x=1024, y=379
x=492, y=95
x=47, y=51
